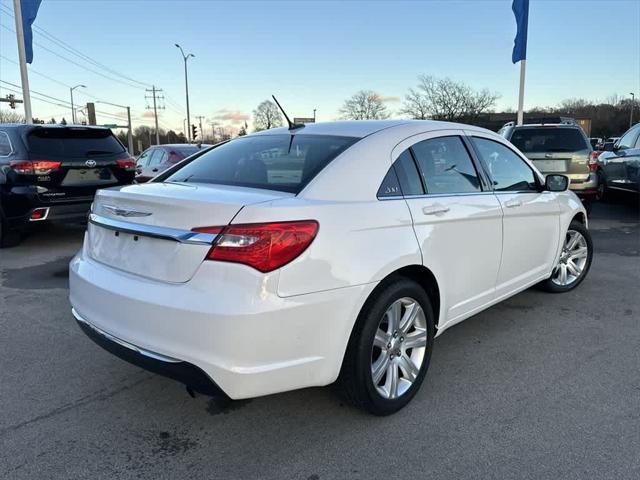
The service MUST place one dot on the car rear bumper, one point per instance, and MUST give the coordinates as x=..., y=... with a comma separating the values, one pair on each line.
x=582, y=184
x=178, y=370
x=247, y=340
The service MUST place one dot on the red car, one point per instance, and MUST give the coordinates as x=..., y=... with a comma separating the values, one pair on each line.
x=156, y=159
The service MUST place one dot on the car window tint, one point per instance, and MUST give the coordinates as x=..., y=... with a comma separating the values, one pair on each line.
x=408, y=175
x=281, y=162
x=390, y=186
x=628, y=140
x=5, y=145
x=507, y=170
x=549, y=139
x=446, y=166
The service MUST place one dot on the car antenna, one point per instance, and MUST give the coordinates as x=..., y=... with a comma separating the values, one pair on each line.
x=292, y=126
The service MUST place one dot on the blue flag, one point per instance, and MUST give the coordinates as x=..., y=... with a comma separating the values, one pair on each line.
x=29, y=10
x=521, y=11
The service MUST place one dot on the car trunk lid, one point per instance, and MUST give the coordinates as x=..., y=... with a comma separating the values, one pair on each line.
x=146, y=229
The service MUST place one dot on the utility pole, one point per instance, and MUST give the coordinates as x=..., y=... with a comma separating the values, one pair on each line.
x=73, y=110
x=130, y=134
x=24, y=74
x=200, y=117
x=633, y=101
x=154, y=94
x=186, y=88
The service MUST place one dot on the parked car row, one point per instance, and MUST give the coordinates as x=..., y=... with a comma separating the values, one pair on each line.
x=52, y=172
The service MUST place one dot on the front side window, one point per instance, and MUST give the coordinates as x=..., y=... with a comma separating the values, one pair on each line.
x=5, y=145
x=446, y=166
x=507, y=170
x=628, y=140
x=274, y=162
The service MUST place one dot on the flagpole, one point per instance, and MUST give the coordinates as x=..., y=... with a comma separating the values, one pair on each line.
x=521, y=93
x=24, y=76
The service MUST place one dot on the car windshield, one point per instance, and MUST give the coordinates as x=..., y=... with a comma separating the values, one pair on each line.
x=72, y=142
x=548, y=139
x=274, y=162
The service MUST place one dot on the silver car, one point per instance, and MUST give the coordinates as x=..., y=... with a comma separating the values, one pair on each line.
x=558, y=148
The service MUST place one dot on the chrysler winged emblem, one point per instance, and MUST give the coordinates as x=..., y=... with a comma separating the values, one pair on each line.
x=124, y=212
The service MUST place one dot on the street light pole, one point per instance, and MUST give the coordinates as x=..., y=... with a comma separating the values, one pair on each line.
x=633, y=101
x=186, y=88
x=73, y=110
x=130, y=135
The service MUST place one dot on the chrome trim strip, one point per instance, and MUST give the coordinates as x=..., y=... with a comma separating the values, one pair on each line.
x=165, y=233
x=130, y=346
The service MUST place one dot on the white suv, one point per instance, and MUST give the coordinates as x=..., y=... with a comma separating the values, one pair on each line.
x=336, y=251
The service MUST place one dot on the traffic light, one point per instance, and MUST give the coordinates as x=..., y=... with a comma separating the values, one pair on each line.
x=194, y=132
x=12, y=100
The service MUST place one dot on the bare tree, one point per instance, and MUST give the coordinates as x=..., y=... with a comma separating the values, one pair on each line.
x=266, y=116
x=446, y=99
x=9, y=116
x=364, y=105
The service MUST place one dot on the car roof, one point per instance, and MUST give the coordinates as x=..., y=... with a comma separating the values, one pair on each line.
x=363, y=128
x=545, y=125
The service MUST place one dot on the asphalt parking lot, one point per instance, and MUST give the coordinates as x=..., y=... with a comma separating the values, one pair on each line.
x=541, y=386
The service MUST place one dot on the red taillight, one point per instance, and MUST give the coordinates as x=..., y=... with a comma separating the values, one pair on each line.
x=34, y=167
x=263, y=246
x=128, y=164
x=593, y=161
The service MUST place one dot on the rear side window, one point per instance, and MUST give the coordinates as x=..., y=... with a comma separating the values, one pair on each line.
x=549, y=139
x=72, y=142
x=5, y=145
x=446, y=166
x=274, y=162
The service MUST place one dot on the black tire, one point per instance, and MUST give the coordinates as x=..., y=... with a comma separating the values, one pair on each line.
x=549, y=285
x=603, y=193
x=355, y=381
x=8, y=238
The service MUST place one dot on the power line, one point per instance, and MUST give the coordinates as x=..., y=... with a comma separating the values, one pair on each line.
x=124, y=82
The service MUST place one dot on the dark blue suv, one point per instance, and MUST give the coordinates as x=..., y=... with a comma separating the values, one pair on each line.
x=51, y=173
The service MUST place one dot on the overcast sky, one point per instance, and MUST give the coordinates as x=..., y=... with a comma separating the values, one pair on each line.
x=315, y=54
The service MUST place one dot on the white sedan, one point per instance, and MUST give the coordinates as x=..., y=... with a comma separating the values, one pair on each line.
x=327, y=252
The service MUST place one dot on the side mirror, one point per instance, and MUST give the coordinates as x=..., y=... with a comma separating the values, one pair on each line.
x=556, y=183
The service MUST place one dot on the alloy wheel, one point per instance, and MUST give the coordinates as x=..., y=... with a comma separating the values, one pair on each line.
x=573, y=259
x=399, y=348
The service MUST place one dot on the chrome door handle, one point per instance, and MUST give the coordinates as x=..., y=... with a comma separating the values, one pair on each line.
x=512, y=203
x=434, y=209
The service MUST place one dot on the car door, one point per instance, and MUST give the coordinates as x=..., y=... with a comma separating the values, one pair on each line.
x=143, y=161
x=531, y=219
x=620, y=167
x=457, y=219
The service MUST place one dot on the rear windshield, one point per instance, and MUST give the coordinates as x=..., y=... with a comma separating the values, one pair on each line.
x=72, y=142
x=549, y=139
x=274, y=162
x=186, y=150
